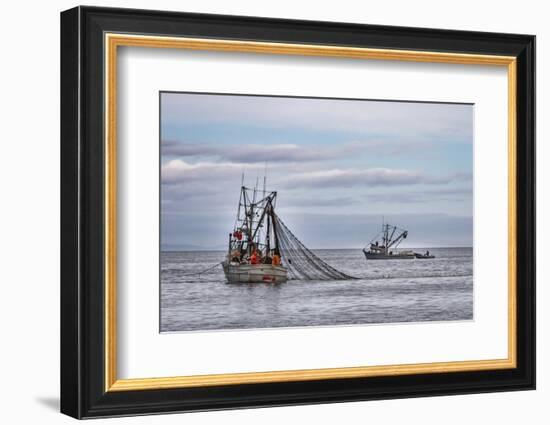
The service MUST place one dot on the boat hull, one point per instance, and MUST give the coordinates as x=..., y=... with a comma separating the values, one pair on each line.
x=380, y=256
x=254, y=273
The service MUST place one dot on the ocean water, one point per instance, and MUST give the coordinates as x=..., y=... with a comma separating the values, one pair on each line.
x=387, y=291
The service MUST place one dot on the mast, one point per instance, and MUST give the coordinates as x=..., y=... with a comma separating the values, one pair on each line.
x=255, y=222
x=267, y=242
x=265, y=177
x=386, y=238
x=268, y=230
x=275, y=230
x=246, y=217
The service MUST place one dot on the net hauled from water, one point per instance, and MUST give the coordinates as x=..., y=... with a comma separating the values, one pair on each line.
x=302, y=264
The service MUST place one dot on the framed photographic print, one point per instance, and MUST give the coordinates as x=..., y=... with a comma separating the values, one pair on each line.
x=261, y=212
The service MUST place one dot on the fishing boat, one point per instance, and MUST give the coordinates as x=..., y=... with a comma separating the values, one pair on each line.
x=262, y=249
x=253, y=254
x=424, y=256
x=383, y=245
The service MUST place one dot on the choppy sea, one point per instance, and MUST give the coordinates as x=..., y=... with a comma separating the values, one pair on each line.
x=387, y=291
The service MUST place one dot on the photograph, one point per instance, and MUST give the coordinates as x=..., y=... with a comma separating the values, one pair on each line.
x=284, y=211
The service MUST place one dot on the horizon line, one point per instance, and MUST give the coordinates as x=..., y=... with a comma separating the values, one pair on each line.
x=323, y=249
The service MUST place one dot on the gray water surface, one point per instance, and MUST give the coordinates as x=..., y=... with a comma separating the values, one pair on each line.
x=388, y=291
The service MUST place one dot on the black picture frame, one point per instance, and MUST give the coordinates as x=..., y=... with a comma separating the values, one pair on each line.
x=83, y=392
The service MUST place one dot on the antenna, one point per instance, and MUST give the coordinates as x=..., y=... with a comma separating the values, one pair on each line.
x=265, y=176
x=242, y=179
x=255, y=189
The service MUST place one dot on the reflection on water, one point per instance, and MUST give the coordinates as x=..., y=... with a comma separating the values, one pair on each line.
x=388, y=291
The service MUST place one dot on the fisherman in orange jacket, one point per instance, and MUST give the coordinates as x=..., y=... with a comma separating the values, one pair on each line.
x=276, y=259
x=254, y=258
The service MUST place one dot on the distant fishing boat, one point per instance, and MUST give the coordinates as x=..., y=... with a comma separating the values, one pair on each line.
x=383, y=245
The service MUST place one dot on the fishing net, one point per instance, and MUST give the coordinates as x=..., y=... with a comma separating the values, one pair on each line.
x=302, y=264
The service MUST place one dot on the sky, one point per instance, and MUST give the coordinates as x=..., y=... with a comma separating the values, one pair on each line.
x=340, y=167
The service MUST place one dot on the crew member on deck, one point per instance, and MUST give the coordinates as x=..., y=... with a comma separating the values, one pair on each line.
x=235, y=256
x=276, y=260
x=254, y=258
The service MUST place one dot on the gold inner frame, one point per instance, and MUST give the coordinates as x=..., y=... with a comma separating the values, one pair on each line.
x=113, y=41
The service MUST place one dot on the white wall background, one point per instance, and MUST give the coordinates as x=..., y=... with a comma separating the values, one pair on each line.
x=29, y=216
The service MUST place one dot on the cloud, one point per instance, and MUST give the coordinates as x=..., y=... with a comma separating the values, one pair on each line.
x=367, y=177
x=287, y=153
x=178, y=171
x=451, y=195
x=173, y=147
x=298, y=202
x=252, y=153
x=463, y=177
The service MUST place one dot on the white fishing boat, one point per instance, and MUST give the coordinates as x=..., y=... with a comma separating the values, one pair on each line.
x=262, y=249
x=253, y=254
